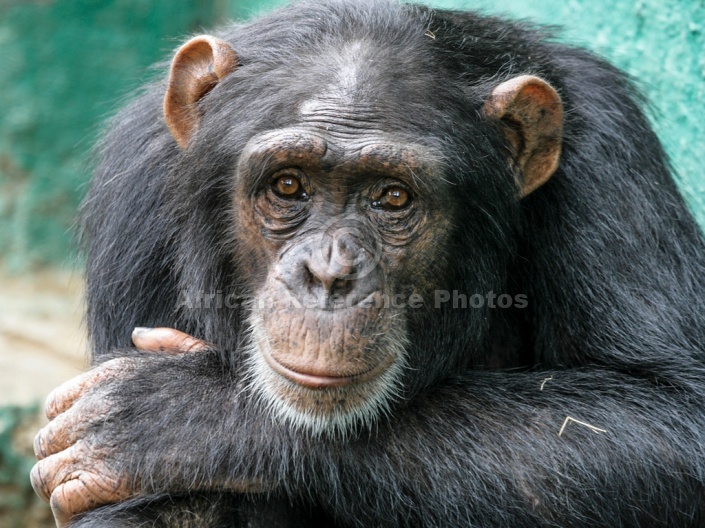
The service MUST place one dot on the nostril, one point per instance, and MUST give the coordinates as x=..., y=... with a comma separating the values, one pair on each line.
x=310, y=280
x=318, y=281
x=341, y=287
x=314, y=280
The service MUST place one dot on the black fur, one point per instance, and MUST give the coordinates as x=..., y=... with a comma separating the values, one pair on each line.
x=610, y=259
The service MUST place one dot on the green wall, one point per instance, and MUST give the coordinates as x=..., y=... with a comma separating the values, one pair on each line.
x=66, y=64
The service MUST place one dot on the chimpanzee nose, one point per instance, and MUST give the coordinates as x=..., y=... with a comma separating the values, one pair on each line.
x=332, y=270
x=334, y=265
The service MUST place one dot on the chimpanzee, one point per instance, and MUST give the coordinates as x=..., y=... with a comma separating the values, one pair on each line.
x=436, y=271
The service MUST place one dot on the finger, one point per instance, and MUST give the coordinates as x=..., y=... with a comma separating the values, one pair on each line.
x=166, y=340
x=85, y=492
x=67, y=501
x=49, y=473
x=39, y=483
x=64, y=396
x=60, y=434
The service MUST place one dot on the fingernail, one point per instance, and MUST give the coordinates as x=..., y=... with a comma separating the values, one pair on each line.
x=140, y=330
x=37, y=445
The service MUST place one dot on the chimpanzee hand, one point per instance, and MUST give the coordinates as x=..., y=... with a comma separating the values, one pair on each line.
x=79, y=468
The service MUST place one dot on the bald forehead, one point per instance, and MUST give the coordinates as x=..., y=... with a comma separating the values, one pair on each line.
x=350, y=89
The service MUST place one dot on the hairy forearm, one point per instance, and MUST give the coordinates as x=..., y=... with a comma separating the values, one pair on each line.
x=186, y=423
x=552, y=444
x=492, y=451
x=488, y=448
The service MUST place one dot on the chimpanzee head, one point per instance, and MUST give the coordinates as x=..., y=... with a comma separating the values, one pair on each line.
x=345, y=181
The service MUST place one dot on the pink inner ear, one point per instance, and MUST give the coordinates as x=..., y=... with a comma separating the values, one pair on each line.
x=536, y=109
x=197, y=68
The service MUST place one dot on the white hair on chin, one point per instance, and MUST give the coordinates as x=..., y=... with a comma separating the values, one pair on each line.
x=375, y=396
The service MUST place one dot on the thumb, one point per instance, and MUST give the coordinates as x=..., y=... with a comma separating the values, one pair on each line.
x=166, y=340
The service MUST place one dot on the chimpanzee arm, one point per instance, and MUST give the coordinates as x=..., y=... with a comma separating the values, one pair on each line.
x=562, y=448
x=111, y=457
x=567, y=448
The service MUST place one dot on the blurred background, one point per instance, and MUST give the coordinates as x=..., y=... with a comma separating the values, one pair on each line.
x=67, y=65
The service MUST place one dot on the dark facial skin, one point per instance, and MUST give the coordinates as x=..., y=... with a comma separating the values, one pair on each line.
x=341, y=219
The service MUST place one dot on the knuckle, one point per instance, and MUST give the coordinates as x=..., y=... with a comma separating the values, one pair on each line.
x=63, y=397
x=112, y=368
x=97, y=487
x=57, y=436
x=109, y=365
x=115, y=364
x=84, y=490
x=191, y=344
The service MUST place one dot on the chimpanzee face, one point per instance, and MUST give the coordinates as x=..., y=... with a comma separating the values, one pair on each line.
x=349, y=229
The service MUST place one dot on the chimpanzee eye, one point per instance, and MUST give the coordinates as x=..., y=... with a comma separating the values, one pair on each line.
x=289, y=187
x=392, y=198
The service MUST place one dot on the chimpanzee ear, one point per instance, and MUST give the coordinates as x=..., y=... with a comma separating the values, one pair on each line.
x=197, y=67
x=531, y=114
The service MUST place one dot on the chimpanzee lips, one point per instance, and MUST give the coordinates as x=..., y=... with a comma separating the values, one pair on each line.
x=317, y=379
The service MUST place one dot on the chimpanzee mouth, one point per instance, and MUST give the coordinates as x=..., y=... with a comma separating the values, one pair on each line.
x=328, y=397
x=318, y=380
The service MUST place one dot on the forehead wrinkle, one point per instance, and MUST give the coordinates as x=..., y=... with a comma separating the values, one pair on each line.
x=346, y=98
